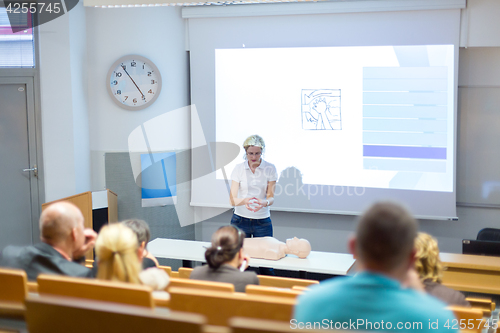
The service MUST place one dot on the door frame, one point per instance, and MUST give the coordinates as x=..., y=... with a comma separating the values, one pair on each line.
x=37, y=191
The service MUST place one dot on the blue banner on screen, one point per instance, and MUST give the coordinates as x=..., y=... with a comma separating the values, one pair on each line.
x=158, y=172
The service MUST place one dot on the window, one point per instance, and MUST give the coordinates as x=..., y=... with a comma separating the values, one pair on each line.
x=17, y=50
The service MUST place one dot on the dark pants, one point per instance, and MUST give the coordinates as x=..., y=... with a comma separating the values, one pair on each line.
x=255, y=228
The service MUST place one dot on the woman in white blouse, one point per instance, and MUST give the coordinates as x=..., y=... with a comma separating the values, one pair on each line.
x=252, y=190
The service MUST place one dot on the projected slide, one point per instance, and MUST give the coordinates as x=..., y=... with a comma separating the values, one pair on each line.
x=365, y=117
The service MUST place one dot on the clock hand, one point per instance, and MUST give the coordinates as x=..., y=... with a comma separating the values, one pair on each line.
x=133, y=81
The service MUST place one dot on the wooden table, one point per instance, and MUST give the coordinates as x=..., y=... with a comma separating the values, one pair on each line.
x=316, y=262
x=480, y=274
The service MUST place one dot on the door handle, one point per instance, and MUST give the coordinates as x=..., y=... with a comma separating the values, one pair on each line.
x=34, y=169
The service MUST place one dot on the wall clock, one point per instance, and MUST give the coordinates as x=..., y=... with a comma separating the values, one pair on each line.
x=134, y=82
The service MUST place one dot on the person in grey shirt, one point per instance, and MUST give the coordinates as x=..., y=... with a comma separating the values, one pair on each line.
x=225, y=258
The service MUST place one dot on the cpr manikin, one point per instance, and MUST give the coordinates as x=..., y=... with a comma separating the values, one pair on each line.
x=272, y=249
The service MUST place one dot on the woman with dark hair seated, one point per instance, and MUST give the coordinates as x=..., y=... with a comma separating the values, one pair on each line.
x=225, y=258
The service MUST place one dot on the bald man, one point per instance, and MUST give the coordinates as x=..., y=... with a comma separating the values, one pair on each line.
x=64, y=240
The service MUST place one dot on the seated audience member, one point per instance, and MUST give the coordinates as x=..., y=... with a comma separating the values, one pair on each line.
x=225, y=258
x=119, y=258
x=272, y=249
x=430, y=271
x=374, y=299
x=64, y=239
x=141, y=229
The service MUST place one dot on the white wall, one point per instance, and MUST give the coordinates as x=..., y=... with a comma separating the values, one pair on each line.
x=79, y=121
x=480, y=24
x=78, y=52
x=63, y=110
x=157, y=33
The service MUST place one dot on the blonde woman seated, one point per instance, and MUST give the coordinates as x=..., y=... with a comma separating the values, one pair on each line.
x=120, y=258
x=430, y=271
x=225, y=258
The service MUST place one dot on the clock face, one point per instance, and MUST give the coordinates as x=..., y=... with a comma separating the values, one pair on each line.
x=134, y=82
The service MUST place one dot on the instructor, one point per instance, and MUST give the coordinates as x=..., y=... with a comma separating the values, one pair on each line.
x=252, y=190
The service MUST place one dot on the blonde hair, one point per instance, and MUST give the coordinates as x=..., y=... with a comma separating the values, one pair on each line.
x=116, y=250
x=428, y=264
x=256, y=141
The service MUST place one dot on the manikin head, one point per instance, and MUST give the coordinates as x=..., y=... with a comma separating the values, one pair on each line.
x=300, y=247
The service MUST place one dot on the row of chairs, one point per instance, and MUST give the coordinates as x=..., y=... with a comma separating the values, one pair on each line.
x=217, y=302
x=199, y=295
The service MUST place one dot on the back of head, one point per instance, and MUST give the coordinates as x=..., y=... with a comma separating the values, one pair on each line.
x=385, y=236
x=141, y=229
x=116, y=250
x=226, y=243
x=57, y=222
x=428, y=264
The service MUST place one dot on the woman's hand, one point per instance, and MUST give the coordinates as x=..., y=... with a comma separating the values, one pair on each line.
x=255, y=204
x=244, y=263
x=259, y=204
x=249, y=202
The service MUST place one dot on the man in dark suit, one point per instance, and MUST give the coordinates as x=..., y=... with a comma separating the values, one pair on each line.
x=64, y=242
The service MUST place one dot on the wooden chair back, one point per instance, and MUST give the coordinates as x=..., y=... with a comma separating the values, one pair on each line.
x=108, y=291
x=300, y=288
x=167, y=269
x=283, y=282
x=467, y=316
x=218, y=307
x=185, y=272
x=199, y=284
x=272, y=291
x=52, y=314
x=13, y=291
x=485, y=304
x=252, y=325
x=32, y=287
x=89, y=263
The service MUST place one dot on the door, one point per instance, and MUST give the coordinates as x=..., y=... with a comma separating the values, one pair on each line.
x=19, y=200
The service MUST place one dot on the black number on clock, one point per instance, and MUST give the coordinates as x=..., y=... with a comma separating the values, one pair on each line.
x=133, y=64
x=134, y=100
x=118, y=92
x=151, y=91
x=118, y=74
x=152, y=81
x=115, y=82
x=150, y=73
x=126, y=97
